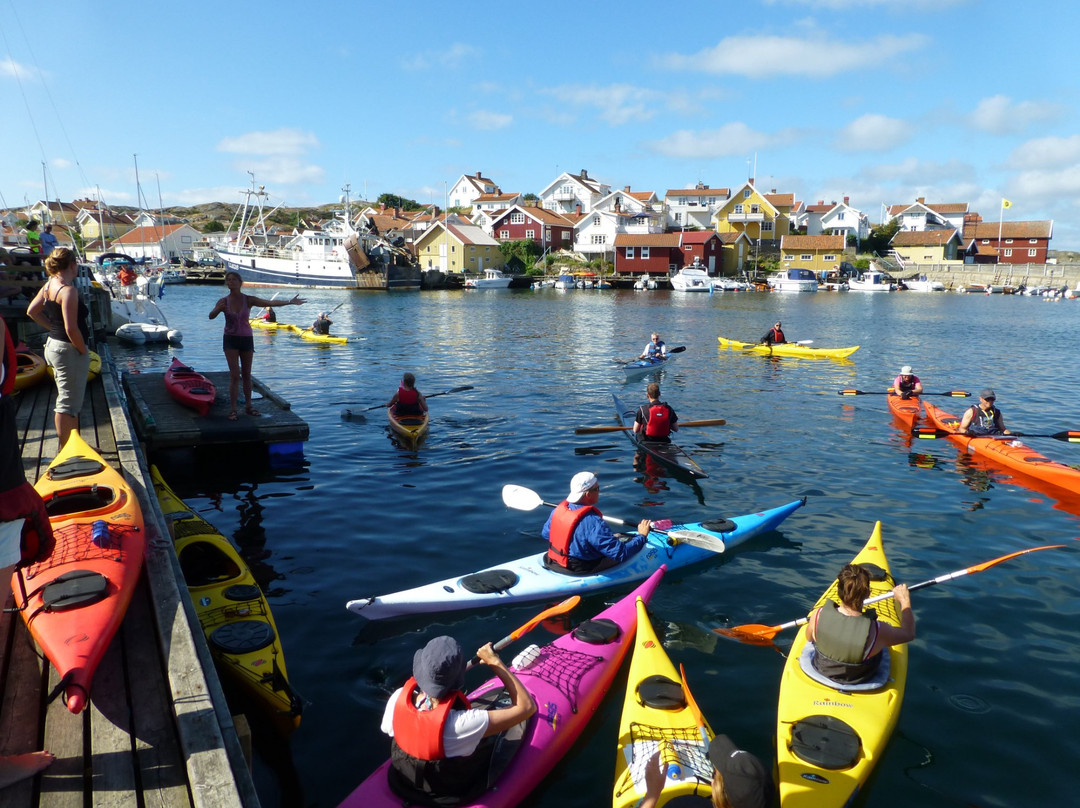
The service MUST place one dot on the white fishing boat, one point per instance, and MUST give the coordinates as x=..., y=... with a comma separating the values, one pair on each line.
x=691, y=279
x=565, y=281
x=794, y=279
x=872, y=280
x=493, y=279
x=924, y=285
x=336, y=256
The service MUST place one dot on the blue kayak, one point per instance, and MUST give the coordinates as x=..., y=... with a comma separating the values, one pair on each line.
x=639, y=366
x=528, y=579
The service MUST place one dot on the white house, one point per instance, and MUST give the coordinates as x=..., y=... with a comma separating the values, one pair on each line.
x=620, y=212
x=158, y=243
x=574, y=193
x=693, y=208
x=837, y=219
x=923, y=216
x=468, y=187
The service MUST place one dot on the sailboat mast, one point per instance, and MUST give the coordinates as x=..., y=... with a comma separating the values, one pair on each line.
x=139, y=201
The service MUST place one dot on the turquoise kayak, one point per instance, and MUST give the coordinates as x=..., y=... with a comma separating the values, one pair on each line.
x=528, y=579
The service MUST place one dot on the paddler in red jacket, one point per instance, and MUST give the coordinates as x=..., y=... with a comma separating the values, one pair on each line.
x=408, y=400
x=656, y=420
x=774, y=336
x=438, y=749
x=579, y=541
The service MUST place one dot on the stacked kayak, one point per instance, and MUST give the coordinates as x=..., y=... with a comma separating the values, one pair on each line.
x=410, y=428
x=664, y=451
x=189, y=388
x=232, y=610
x=29, y=368
x=829, y=737
x=75, y=600
x=1008, y=452
x=568, y=680
x=788, y=349
x=527, y=579
x=659, y=713
x=905, y=410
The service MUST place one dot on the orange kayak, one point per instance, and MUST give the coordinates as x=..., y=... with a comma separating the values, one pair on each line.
x=906, y=410
x=73, y=601
x=1007, y=452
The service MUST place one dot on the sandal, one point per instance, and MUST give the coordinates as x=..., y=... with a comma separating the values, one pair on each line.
x=232, y=415
x=254, y=413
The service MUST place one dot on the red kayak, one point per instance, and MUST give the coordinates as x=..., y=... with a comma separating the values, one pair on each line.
x=190, y=388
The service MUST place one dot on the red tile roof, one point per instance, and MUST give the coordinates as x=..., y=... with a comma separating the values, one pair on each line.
x=647, y=240
x=1013, y=230
x=835, y=243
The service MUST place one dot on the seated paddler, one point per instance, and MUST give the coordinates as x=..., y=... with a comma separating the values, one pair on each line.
x=579, y=540
x=438, y=755
x=849, y=640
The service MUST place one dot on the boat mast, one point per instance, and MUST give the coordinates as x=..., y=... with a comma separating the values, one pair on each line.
x=139, y=201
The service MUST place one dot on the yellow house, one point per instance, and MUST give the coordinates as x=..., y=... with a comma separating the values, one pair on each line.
x=928, y=246
x=736, y=249
x=455, y=246
x=817, y=253
x=759, y=216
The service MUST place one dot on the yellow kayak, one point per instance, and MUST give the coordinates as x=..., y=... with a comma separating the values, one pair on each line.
x=95, y=367
x=788, y=349
x=29, y=369
x=410, y=428
x=311, y=336
x=266, y=325
x=828, y=740
x=232, y=610
x=657, y=713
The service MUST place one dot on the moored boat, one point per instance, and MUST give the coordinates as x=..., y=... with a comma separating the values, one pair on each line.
x=794, y=279
x=665, y=451
x=1008, y=451
x=829, y=736
x=83, y=589
x=691, y=279
x=658, y=714
x=568, y=679
x=873, y=280
x=528, y=578
x=788, y=349
x=493, y=279
x=190, y=388
x=232, y=610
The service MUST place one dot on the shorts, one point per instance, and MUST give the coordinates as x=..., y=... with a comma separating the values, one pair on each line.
x=234, y=342
x=71, y=370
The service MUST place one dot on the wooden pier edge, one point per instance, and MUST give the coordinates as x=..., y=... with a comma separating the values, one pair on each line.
x=216, y=767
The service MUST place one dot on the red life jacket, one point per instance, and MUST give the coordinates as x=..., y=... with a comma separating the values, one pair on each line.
x=658, y=420
x=11, y=364
x=419, y=733
x=563, y=524
x=778, y=336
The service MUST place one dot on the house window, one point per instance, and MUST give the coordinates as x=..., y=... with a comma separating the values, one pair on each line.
x=1008, y=241
x=986, y=241
x=630, y=252
x=1008, y=253
x=840, y=217
x=678, y=218
x=738, y=208
x=1033, y=241
x=645, y=253
x=1032, y=253
x=746, y=193
x=789, y=257
x=755, y=208
x=599, y=238
x=806, y=257
x=828, y=258
x=504, y=234
x=565, y=235
x=517, y=218
x=767, y=227
x=688, y=248
x=596, y=219
x=530, y=234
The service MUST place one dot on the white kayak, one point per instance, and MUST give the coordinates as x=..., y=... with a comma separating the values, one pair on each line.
x=528, y=579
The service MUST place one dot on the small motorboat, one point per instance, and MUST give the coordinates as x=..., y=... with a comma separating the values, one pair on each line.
x=691, y=279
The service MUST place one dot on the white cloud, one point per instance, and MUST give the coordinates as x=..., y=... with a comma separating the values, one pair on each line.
x=730, y=140
x=1047, y=153
x=61, y=163
x=770, y=56
x=873, y=133
x=280, y=142
x=1048, y=186
x=452, y=57
x=485, y=119
x=615, y=104
x=999, y=115
x=283, y=170
x=9, y=67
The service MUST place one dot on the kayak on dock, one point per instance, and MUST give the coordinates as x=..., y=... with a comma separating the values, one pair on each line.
x=665, y=451
x=567, y=679
x=830, y=736
x=190, y=388
x=528, y=578
x=30, y=369
x=83, y=589
x=788, y=349
x=232, y=610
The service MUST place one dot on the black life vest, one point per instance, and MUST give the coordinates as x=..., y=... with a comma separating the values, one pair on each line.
x=986, y=423
x=561, y=532
x=657, y=420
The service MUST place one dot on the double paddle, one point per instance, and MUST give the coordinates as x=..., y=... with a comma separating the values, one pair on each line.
x=521, y=498
x=670, y=351
x=930, y=432
x=595, y=430
x=891, y=391
x=757, y=634
x=349, y=415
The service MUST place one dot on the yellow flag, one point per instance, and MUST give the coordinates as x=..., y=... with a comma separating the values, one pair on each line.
x=1005, y=203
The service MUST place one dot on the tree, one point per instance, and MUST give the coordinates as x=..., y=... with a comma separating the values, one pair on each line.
x=880, y=237
x=524, y=251
x=213, y=226
x=395, y=201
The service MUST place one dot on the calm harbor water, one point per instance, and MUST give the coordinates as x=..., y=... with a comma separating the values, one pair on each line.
x=993, y=697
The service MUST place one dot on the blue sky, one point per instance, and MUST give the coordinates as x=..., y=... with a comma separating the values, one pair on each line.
x=881, y=101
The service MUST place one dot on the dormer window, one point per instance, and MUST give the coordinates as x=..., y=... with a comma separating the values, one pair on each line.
x=746, y=193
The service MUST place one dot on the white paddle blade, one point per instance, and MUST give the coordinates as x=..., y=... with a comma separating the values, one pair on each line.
x=698, y=539
x=805, y=342
x=520, y=498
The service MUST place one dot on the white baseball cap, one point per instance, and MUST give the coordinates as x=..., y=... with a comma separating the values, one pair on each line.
x=905, y=370
x=580, y=484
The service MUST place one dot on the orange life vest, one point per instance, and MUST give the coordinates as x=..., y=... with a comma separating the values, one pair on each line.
x=561, y=532
x=419, y=733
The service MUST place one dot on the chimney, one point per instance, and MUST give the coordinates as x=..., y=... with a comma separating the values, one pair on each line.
x=821, y=201
x=626, y=188
x=577, y=208
x=584, y=174
x=921, y=200
x=435, y=214
x=847, y=200
x=397, y=212
x=382, y=207
x=478, y=176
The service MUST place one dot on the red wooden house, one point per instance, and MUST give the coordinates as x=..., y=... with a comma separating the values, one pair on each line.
x=551, y=230
x=1007, y=242
x=703, y=246
x=648, y=253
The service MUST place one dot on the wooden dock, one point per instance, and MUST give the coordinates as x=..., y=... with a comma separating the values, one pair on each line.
x=162, y=423
x=157, y=731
